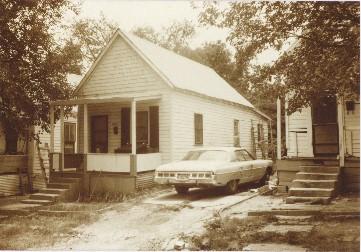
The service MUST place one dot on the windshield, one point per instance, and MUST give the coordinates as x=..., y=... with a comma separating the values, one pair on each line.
x=207, y=155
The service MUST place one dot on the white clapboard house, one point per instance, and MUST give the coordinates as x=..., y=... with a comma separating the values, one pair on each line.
x=322, y=144
x=141, y=105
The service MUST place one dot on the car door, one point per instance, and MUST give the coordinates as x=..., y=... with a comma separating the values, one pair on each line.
x=245, y=167
x=256, y=165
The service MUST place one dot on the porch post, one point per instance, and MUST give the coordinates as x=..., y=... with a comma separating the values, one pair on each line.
x=51, y=128
x=279, y=128
x=62, y=137
x=287, y=124
x=341, y=132
x=85, y=132
x=134, y=127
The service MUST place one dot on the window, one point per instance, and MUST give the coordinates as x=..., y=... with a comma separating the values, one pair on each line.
x=142, y=127
x=236, y=133
x=198, y=129
x=69, y=137
x=260, y=133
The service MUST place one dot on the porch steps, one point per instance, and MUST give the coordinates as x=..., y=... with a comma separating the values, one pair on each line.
x=59, y=189
x=314, y=184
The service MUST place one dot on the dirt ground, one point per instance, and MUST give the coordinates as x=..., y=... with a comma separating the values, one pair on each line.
x=165, y=220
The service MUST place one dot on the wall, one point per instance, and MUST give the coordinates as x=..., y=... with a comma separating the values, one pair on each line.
x=217, y=124
x=122, y=72
x=299, y=134
x=352, y=130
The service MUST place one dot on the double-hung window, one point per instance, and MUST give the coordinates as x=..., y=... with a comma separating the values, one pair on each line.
x=198, y=129
x=236, y=133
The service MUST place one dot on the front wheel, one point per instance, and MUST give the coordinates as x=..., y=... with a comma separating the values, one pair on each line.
x=231, y=187
x=181, y=189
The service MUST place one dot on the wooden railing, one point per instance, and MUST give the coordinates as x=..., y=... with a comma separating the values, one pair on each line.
x=107, y=162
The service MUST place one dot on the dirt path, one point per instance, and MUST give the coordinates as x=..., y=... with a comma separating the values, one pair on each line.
x=153, y=224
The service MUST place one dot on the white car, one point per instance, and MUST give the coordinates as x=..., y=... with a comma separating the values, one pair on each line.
x=214, y=167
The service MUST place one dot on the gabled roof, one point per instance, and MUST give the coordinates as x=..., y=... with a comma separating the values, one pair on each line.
x=178, y=71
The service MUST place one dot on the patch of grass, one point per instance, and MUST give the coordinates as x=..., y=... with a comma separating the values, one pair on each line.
x=235, y=234
x=228, y=233
x=35, y=231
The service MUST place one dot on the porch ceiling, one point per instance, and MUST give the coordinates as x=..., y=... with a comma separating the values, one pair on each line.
x=95, y=100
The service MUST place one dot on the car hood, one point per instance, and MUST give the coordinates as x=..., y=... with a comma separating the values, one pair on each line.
x=188, y=166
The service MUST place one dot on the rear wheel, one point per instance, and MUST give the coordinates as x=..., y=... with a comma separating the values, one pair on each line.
x=266, y=176
x=231, y=187
x=181, y=189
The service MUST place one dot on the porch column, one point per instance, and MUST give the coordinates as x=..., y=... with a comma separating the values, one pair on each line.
x=279, y=128
x=134, y=127
x=287, y=124
x=85, y=132
x=62, y=137
x=51, y=128
x=341, y=131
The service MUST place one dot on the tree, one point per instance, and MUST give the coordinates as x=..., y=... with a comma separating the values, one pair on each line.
x=325, y=60
x=33, y=64
x=92, y=35
x=175, y=37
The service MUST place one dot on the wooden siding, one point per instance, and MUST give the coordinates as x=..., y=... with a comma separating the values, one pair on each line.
x=145, y=180
x=218, y=119
x=352, y=130
x=300, y=134
x=122, y=71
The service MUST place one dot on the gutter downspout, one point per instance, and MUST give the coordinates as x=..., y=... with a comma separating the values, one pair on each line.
x=279, y=153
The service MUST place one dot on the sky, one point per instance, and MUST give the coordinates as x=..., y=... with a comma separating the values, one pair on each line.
x=129, y=14
x=158, y=14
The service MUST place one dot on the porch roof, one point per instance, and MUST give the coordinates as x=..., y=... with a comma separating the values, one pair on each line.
x=95, y=100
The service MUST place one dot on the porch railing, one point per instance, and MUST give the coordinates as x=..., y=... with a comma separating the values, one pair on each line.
x=106, y=162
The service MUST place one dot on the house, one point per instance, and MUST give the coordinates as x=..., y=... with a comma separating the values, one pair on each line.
x=16, y=152
x=141, y=105
x=322, y=144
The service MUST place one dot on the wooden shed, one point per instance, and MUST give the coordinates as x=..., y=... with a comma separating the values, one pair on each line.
x=141, y=105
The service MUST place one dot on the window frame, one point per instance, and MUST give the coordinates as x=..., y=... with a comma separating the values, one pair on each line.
x=68, y=140
x=236, y=139
x=198, y=129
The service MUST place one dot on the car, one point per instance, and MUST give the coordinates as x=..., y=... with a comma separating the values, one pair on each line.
x=225, y=167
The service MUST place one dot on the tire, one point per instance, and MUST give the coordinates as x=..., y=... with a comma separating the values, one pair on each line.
x=181, y=189
x=231, y=187
x=265, y=177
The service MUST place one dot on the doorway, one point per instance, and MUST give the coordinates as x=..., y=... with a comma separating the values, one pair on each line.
x=325, y=127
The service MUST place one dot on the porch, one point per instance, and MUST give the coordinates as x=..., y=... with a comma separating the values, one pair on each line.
x=117, y=142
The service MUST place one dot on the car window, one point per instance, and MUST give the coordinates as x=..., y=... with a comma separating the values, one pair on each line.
x=239, y=156
x=246, y=155
x=207, y=155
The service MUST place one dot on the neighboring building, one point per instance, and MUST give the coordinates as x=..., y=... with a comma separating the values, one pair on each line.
x=323, y=138
x=141, y=105
x=15, y=153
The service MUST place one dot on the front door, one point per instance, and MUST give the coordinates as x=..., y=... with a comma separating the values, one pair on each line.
x=325, y=127
x=99, y=134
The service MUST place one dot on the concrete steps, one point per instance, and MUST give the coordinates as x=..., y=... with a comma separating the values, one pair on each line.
x=314, y=184
x=59, y=189
x=315, y=192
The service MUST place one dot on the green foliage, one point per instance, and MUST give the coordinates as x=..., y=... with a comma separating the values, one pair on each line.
x=34, y=62
x=325, y=59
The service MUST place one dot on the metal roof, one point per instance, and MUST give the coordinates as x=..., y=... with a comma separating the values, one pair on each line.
x=187, y=74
